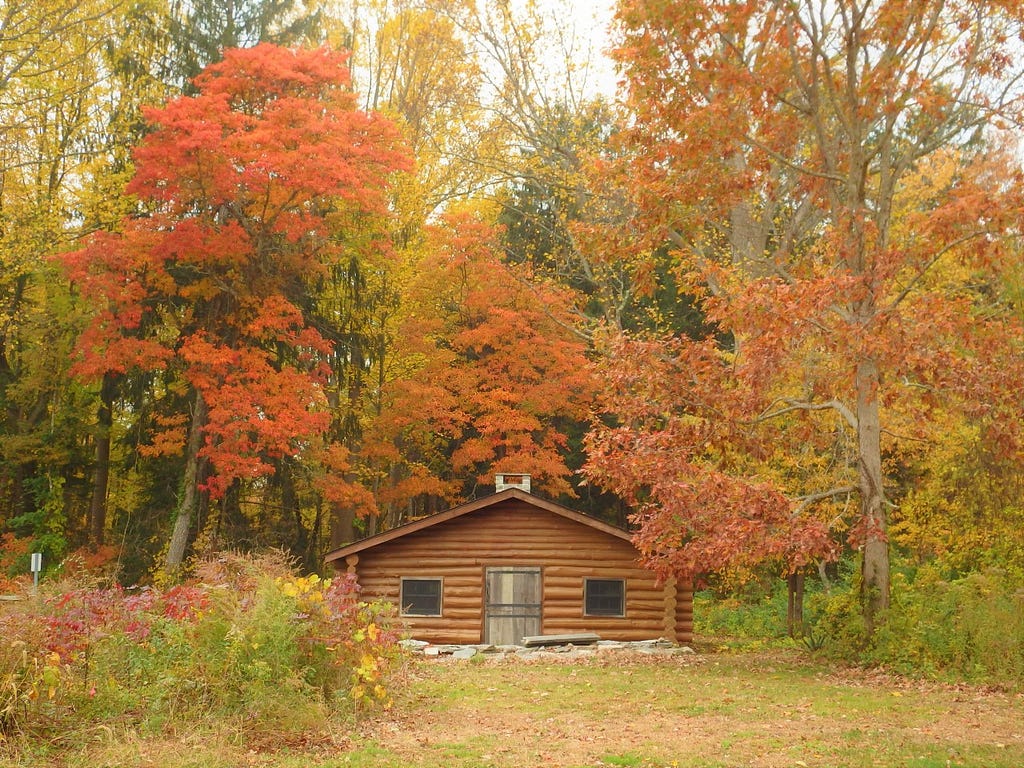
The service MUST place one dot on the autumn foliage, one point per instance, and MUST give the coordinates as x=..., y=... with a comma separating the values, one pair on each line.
x=248, y=639
x=815, y=170
x=498, y=374
x=678, y=447
x=238, y=186
x=768, y=297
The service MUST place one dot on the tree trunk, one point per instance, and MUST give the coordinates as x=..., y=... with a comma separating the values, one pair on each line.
x=874, y=517
x=795, y=609
x=297, y=537
x=189, y=499
x=101, y=475
x=748, y=236
x=343, y=525
x=233, y=529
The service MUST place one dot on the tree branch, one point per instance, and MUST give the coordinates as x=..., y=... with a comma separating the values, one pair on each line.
x=797, y=405
x=935, y=259
x=811, y=498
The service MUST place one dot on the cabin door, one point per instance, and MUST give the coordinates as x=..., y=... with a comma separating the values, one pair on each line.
x=512, y=606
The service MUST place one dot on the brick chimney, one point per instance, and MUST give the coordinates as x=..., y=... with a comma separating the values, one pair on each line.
x=505, y=481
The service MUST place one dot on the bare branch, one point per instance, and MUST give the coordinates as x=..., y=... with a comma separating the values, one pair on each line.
x=813, y=498
x=792, y=405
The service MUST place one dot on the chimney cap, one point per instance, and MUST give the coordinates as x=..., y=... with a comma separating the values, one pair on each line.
x=505, y=480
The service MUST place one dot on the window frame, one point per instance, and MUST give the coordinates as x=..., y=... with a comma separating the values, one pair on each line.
x=602, y=613
x=401, y=596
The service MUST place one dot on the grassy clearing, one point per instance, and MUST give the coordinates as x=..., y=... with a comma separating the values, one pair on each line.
x=717, y=710
x=706, y=710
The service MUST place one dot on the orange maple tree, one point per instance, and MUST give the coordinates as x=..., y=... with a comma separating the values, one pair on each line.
x=493, y=378
x=241, y=187
x=778, y=146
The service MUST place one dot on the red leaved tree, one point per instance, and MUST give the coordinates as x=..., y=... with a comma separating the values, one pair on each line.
x=242, y=188
x=831, y=176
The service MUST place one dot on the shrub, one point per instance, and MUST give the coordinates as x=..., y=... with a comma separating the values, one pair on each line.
x=751, y=618
x=756, y=614
x=248, y=640
x=30, y=677
x=14, y=559
x=971, y=627
x=940, y=625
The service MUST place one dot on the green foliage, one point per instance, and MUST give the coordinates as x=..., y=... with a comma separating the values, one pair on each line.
x=939, y=625
x=255, y=646
x=757, y=616
x=969, y=628
x=44, y=522
x=200, y=31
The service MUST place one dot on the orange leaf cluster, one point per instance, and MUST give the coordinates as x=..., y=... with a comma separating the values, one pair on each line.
x=818, y=169
x=240, y=183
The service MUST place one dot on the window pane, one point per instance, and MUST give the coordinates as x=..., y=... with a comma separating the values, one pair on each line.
x=605, y=597
x=421, y=597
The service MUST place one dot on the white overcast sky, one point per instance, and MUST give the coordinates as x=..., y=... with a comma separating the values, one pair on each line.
x=590, y=20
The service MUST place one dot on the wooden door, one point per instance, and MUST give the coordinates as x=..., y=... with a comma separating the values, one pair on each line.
x=512, y=607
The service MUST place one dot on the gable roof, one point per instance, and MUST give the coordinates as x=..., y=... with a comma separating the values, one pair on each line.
x=468, y=508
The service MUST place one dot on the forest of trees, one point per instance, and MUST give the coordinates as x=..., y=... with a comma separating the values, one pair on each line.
x=277, y=273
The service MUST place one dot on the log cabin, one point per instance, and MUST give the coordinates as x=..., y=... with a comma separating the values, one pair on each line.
x=512, y=565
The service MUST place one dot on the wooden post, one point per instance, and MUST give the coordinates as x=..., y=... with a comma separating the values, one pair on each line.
x=351, y=561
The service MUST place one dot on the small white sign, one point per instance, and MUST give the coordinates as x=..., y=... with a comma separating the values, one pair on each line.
x=37, y=562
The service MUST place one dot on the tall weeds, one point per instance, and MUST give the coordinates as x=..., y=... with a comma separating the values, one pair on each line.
x=248, y=641
x=967, y=627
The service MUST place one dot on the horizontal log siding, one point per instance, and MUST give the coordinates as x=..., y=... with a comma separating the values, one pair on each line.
x=514, y=533
x=684, y=613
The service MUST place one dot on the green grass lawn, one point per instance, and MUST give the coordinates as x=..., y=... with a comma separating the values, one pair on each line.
x=774, y=708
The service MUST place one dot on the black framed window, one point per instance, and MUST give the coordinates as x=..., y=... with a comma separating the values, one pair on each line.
x=604, y=597
x=421, y=597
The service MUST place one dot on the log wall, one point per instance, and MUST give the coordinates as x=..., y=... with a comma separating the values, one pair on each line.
x=516, y=533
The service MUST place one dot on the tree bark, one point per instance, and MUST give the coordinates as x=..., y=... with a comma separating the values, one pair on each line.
x=101, y=475
x=795, y=608
x=343, y=527
x=189, y=499
x=748, y=233
x=874, y=517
